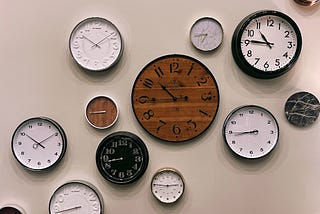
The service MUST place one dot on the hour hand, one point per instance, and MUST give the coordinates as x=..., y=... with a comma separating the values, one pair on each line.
x=174, y=98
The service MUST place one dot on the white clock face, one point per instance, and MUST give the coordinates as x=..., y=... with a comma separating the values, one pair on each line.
x=269, y=43
x=206, y=34
x=167, y=185
x=38, y=143
x=251, y=131
x=75, y=197
x=96, y=44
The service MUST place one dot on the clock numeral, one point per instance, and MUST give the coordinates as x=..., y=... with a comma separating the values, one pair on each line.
x=110, y=151
x=290, y=45
x=250, y=33
x=206, y=96
x=192, y=125
x=135, y=166
x=251, y=111
x=143, y=99
x=233, y=122
x=246, y=42
x=249, y=53
x=277, y=62
x=176, y=129
x=174, y=67
x=202, y=81
x=261, y=150
x=162, y=124
x=258, y=25
x=233, y=142
x=251, y=152
x=266, y=65
x=286, y=55
x=270, y=23
x=158, y=71
x=135, y=151
x=148, y=83
x=148, y=114
x=286, y=34
x=190, y=70
x=138, y=159
x=121, y=175
x=204, y=113
x=257, y=60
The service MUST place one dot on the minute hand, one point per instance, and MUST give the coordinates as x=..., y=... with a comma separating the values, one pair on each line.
x=265, y=39
x=261, y=42
x=166, y=90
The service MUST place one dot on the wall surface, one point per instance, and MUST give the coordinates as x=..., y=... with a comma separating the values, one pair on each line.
x=40, y=78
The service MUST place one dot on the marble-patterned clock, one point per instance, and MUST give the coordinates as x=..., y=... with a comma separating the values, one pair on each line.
x=302, y=109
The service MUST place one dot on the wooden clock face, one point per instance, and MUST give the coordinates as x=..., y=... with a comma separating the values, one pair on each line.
x=175, y=98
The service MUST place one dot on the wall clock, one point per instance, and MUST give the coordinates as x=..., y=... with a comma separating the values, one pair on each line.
x=39, y=143
x=251, y=131
x=302, y=109
x=175, y=98
x=122, y=157
x=206, y=34
x=167, y=185
x=96, y=44
x=266, y=44
x=101, y=112
x=76, y=197
x=12, y=209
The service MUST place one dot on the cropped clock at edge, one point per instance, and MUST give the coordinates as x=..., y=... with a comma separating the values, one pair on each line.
x=266, y=44
x=175, y=98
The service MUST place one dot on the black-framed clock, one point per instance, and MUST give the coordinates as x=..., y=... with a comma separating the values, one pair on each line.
x=122, y=157
x=266, y=44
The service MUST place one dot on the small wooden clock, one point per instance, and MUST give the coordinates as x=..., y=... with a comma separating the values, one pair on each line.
x=175, y=98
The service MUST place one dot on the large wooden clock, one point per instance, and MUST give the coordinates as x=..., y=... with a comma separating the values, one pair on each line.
x=175, y=98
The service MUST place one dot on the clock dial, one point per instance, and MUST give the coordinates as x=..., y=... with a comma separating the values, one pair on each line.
x=266, y=44
x=175, y=98
x=101, y=112
x=122, y=157
x=11, y=209
x=96, y=44
x=251, y=131
x=302, y=109
x=76, y=197
x=167, y=185
x=206, y=34
x=39, y=143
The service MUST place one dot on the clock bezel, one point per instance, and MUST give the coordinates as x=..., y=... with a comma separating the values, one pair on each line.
x=243, y=63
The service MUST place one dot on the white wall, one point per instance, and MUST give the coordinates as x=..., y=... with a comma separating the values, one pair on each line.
x=39, y=78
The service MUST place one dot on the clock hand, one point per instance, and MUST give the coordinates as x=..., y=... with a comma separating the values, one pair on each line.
x=94, y=44
x=101, y=41
x=166, y=185
x=69, y=209
x=261, y=42
x=115, y=159
x=166, y=90
x=46, y=138
x=265, y=39
x=255, y=132
x=36, y=142
x=98, y=112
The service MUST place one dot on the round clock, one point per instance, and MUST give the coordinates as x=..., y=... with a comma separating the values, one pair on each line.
x=76, y=197
x=302, y=109
x=95, y=44
x=122, y=157
x=307, y=2
x=206, y=34
x=11, y=209
x=251, y=131
x=266, y=44
x=167, y=185
x=175, y=98
x=39, y=143
x=101, y=112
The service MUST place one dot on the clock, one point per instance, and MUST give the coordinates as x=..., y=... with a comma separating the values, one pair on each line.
x=251, y=131
x=307, y=2
x=175, y=98
x=39, y=143
x=167, y=185
x=302, y=109
x=206, y=34
x=122, y=157
x=11, y=209
x=101, y=112
x=96, y=44
x=266, y=44
x=76, y=197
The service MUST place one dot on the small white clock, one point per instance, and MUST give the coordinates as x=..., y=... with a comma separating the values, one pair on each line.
x=167, y=185
x=206, y=34
x=96, y=44
x=39, y=143
x=251, y=131
x=76, y=197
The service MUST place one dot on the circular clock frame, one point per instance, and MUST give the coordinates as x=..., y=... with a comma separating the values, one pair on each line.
x=101, y=112
x=51, y=130
x=122, y=157
x=248, y=139
x=175, y=98
x=82, y=191
x=96, y=44
x=265, y=61
x=12, y=209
